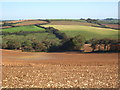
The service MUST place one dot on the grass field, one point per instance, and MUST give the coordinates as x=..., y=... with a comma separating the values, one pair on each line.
x=87, y=31
x=23, y=28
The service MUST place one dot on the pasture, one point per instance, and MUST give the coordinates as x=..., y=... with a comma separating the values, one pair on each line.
x=23, y=28
x=87, y=31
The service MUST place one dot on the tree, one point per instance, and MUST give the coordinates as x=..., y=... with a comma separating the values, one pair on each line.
x=38, y=46
x=13, y=44
x=3, y=45
x=106, y=43
x=94, y=43
x=27, y=45
x=75, y=43
x=115, y=45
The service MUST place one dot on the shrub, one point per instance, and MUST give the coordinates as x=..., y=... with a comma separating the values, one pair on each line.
x=105, y=45
x=38, y=46
x=13, y=44
x=94, y=43
x=75, y=43
x=27, y=46
x=3, y=45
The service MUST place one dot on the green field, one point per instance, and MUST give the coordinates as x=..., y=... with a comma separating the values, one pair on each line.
x=23, y=28
x=87, y=31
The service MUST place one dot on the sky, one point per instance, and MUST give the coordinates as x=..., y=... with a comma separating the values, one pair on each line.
x=58, y=10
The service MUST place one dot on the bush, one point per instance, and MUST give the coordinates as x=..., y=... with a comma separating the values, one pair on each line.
x=13, y=44
x=3, y=45
x=38, y=46
x=75, y=43
x=105, y=45
x=27, y=46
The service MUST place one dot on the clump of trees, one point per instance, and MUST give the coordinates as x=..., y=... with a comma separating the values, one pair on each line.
x=105, y=45
x=95, y=21
x=73, y=44
x=67, y=44
x=13, y=44
x=27, y=45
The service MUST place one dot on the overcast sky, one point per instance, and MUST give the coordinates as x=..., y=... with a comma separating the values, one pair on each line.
x=60, y=10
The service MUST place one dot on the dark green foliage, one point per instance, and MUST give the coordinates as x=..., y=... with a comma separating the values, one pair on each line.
x=13, y=44
x=3, y=45
x=94, y=43
x=27, y=46
x=75, y=43
x=7, y=24
x=107, y=44
x=38, y=46
x=56, y=32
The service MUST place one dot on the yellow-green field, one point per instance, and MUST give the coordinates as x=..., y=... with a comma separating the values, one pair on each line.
x=23, y=28
x=87, y=31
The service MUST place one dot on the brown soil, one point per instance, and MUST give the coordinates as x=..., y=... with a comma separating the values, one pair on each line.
x=3, y=27
x=30, y=22
x=43, y=70
x=70, y=23
x=116, y=26
x=16, y=21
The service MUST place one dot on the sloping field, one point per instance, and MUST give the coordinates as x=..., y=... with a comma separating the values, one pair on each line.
x=3, y=27
x=59, y=70
x=30, y=22
x=116, y=26
x=87, y=31
x=23, y=28
x=15, y=21
x=71, y=23
x=66, y=58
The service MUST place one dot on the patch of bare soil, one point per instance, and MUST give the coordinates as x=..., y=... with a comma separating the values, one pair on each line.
x=116, y=26
x=59, y=70
x=70, y=23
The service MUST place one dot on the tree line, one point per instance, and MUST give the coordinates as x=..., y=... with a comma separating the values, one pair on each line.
x=106, y=45
x=70, y=44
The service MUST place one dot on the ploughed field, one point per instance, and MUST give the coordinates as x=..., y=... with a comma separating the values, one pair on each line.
x=55, y=70
x=116, y=26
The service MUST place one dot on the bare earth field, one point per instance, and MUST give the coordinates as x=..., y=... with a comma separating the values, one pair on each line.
x=71, y=23
x=116, y=26
x=56, y=70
